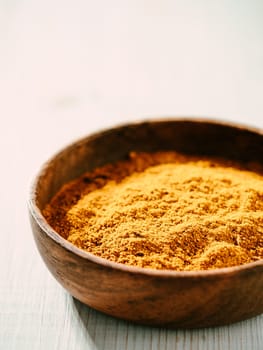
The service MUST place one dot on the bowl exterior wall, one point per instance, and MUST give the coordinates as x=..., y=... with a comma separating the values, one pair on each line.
x=167, y=301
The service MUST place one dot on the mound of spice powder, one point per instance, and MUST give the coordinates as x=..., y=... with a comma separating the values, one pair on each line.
x=164, y=211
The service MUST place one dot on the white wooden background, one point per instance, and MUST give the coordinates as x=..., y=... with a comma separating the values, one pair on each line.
x=69, y=67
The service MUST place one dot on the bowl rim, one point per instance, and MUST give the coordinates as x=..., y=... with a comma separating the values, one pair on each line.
x=163, y=273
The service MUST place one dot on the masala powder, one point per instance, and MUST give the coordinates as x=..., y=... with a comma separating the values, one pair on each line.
x=164, y=210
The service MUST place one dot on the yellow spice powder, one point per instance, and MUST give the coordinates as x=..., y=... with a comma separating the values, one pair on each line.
x=164, y=211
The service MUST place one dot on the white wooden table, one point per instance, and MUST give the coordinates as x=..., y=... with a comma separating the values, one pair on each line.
x=68, y=68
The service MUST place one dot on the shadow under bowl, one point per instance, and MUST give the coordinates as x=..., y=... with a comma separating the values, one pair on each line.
x=191, y=299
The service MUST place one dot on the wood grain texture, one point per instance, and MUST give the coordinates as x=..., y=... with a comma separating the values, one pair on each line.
x=49, y=318
x=68, y=68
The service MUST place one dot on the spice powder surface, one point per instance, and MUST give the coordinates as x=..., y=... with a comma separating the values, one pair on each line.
x=164, y=211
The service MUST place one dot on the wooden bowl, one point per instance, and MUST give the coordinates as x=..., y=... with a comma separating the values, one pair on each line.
x=153, y=297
